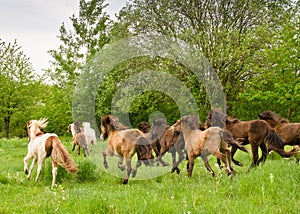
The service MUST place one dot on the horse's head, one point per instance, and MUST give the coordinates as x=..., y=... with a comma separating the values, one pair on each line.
x=216, y=118
x=176, y=127
x=158, y=128
x=110, y=123
x=144, y=127
x=36, y=127
x=190, y=122
x=271, y=118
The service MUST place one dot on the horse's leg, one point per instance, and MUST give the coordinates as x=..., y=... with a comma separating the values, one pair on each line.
x=120, y=164
x=128, y=170
x=54, y=173
x=190, y=165
x=163, y=150
x=180, y=159
x=138, y=164
x=73, y=148
x=31, y=167
x=26, y=159
x=254, y=149
x=264, y=153
x=79, y=149
x=208, y=167
x=233, y=150
x=223, y=158
x=41, y=160
x=105, y=153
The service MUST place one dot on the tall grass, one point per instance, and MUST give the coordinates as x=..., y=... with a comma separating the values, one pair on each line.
x=272, y=188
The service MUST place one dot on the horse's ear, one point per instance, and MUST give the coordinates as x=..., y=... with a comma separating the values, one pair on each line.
x=28, y=123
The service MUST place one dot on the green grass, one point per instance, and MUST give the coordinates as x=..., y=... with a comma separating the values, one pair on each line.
x=272, y=188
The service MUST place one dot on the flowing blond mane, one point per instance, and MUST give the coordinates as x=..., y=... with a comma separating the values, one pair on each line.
x=36, y=127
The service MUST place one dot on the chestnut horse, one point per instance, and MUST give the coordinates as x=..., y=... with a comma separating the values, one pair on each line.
x=166, y=140
x=258, y=134
x=288, y=132
x=202, y=143
x=124, y=143
x=41, y=146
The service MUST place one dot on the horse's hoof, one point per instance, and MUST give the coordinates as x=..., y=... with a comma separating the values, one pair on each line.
x=26, y=171
x=133, y=174
x=177, y=171
x=106, y=166
x=122, y=168
x=125, y=181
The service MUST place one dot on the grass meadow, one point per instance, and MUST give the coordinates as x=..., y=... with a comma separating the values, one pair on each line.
x=271, y=188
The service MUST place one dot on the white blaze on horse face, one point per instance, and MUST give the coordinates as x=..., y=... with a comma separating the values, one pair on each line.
x=103, y=131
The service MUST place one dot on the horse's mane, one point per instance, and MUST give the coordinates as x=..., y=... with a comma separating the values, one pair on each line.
x=113, y=123
x=36, y=127
x=232, y=119
x=273, y=116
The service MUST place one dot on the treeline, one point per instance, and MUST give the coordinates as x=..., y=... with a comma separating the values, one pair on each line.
x=252, y=45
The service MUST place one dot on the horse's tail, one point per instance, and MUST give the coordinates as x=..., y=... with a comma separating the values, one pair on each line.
x=83, y=143
x=61, y=156
x=229, y=140
x=144, y=150
x=274, y=142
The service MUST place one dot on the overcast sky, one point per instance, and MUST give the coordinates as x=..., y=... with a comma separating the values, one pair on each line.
x=35, y=25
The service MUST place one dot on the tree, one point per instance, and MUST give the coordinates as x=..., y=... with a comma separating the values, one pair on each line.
x=18, y=87
x=226, y=32
x=88, y=35
x=276, y=85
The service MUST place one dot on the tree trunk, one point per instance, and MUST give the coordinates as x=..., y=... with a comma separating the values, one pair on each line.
x=6, y=124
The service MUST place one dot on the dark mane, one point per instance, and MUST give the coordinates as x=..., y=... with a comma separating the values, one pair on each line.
x=269, y=115
x=112, y=123
x=77, y=127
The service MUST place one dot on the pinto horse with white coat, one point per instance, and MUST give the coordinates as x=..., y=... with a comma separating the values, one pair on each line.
x=41, y=146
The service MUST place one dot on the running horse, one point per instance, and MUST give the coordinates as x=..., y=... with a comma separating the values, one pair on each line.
x=203, y=143
x=124, y=143
x=41, y=146
x=257, y=133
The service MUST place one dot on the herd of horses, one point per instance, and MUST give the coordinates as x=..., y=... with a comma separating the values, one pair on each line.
x=187, y=138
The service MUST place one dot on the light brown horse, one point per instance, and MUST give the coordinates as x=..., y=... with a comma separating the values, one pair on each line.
x=79, y=138
x=124, y=143
x=288, y=132
x=41, y=146
x=258, y=134
x=202, y=143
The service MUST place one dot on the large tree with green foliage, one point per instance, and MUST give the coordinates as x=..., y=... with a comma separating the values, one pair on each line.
x=19, y=89
x=228, y=33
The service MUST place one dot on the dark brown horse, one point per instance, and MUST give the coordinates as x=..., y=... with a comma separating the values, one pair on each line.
x=288, y=132
x=124, y=143
x=258, y=134
x=167, y=140
x=203, y=143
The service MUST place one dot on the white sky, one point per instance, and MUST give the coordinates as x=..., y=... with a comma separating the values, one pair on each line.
x=35, y=25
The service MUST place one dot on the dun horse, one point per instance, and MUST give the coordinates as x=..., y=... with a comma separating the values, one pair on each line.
x=203, y=143
x=41, y=146
x=79, y=138
x=124, y=142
